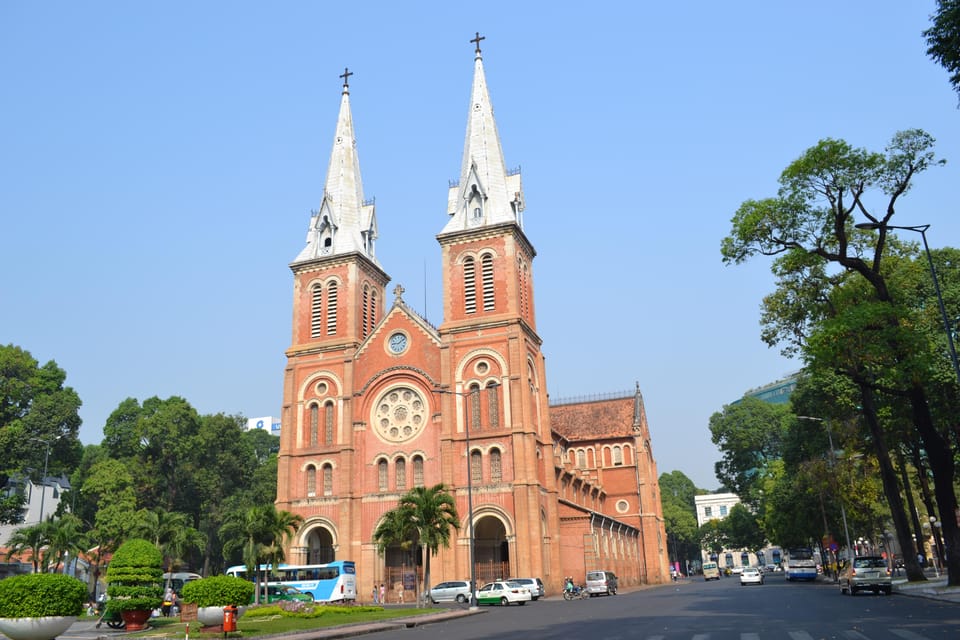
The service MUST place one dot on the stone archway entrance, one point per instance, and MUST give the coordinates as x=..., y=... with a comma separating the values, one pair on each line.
x=320, y=549
x=491, y=550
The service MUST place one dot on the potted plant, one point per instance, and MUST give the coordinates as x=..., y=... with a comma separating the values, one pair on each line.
x=39, y=606
x=212, y=594
x=135, y=582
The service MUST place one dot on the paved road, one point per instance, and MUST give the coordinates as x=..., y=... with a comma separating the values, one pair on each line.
x=688, y=610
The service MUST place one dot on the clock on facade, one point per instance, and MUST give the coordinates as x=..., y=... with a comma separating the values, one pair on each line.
x=398, y=342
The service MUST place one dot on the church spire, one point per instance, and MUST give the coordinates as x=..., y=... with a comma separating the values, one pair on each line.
x=487, y=194
x=345, y=223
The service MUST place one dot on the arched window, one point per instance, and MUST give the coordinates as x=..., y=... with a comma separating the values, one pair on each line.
x=486, y=265
x=469, y=285
x=496, y=469
x=581, y=458
x=493, y=405
x=311, y=480
x=332, y=309
x=365, y=319
x=417, y=471
x=382, y=475
x=476, y=467
x=373, y=309
x=400, y=468
x=328, y=423
x=316, y=311
x=617, y=456
x=314, y=424
x=475, y=406
x=327, y=479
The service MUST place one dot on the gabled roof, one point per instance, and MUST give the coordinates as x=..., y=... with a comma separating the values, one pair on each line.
x=604, y=418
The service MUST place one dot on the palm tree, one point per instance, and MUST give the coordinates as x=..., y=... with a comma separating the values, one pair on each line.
x=31, y=539
x=171, y=532
x=65, y=537
x=425, y=515
x=260, y=533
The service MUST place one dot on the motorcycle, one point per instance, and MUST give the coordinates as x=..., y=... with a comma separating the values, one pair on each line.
x=575, y=592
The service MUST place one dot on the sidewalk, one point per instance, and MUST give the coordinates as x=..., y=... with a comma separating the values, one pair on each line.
x=934, y=588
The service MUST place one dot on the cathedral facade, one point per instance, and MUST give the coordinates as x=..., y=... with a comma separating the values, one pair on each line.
x=377, y=400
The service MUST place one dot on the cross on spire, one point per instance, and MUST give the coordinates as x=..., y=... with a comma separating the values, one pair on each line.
x=477, y=41
x=346, y=76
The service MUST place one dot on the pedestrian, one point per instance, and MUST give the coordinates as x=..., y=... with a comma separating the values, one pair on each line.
x=383, y=593
x=376, y=594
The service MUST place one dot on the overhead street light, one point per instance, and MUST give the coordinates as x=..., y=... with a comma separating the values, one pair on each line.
x=833, y=460
x=922, y=230
x=43, y=479
x=466, y=431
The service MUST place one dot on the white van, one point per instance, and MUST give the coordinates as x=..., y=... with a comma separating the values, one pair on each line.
x=710, y=571
x=601, y=582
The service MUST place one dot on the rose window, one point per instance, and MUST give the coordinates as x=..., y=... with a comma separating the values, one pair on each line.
x=400, y=414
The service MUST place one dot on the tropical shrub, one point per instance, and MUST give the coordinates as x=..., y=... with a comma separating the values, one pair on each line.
x=135, y=577
x=218, y=591
x=37, y=595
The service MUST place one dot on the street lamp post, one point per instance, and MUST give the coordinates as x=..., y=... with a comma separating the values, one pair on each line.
x=922, y=230
x=833, y=460
x=43, y=479
x=466, y=432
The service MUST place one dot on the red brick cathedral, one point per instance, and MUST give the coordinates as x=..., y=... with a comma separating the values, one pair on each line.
x=377, y=400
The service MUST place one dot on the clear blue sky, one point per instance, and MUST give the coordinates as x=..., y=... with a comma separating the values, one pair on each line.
x=159, y=161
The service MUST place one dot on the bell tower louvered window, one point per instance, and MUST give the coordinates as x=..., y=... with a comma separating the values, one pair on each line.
x=365, y=319
x=316, y=311
x=373, y=309
x=332, y=309
x=469, y=286
x=488, y=297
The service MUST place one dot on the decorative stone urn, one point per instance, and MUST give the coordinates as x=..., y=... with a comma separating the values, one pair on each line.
x=135, y=619
x=213, y=616
x=46, y=628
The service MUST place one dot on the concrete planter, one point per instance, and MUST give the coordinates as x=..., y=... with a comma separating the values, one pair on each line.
x=46, y=628
x=213, y=616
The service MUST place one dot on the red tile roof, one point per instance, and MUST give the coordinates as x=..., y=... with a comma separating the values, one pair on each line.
x=592, y=420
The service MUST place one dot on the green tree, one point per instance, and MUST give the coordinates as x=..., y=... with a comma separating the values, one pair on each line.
x=677, y=498
x=171, y=532
x=432, y=512
x=66, y=538
x=943, y=39
x=742, y=529
x=749, y=434
x=258, y=533
x=36, y=411
x=809, y=226
x=28, y=541
x=110, y=487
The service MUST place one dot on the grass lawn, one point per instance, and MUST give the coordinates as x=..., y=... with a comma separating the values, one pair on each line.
x=265, y=625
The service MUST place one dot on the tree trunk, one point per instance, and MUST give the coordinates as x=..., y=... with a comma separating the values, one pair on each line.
x=940, y=457
x=890, y=486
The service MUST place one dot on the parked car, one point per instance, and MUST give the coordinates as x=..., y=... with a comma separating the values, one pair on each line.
x=503, y=593
x=535, y=585
x=866, y=573
x=601, y=582
x=751, y=575
x=736, y=570
x=450, y=591
x=282, y=592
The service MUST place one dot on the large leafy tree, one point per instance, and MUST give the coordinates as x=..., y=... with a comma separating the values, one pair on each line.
x=677, y=494
x=28, y=541
x=38, y=422
x=749, y=434
x=810, y=226
x=943, y=39
x=743, y=529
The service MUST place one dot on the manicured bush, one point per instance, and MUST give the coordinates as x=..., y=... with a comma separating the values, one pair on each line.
x=217, y=591
x=135, y=577
x=36, y=595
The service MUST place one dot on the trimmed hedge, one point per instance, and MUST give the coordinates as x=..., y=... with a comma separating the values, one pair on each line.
x=36, y=595
x=135, y=577
x=218, y=591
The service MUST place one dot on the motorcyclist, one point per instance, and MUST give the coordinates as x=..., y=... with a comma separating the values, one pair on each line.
x=569, y=584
